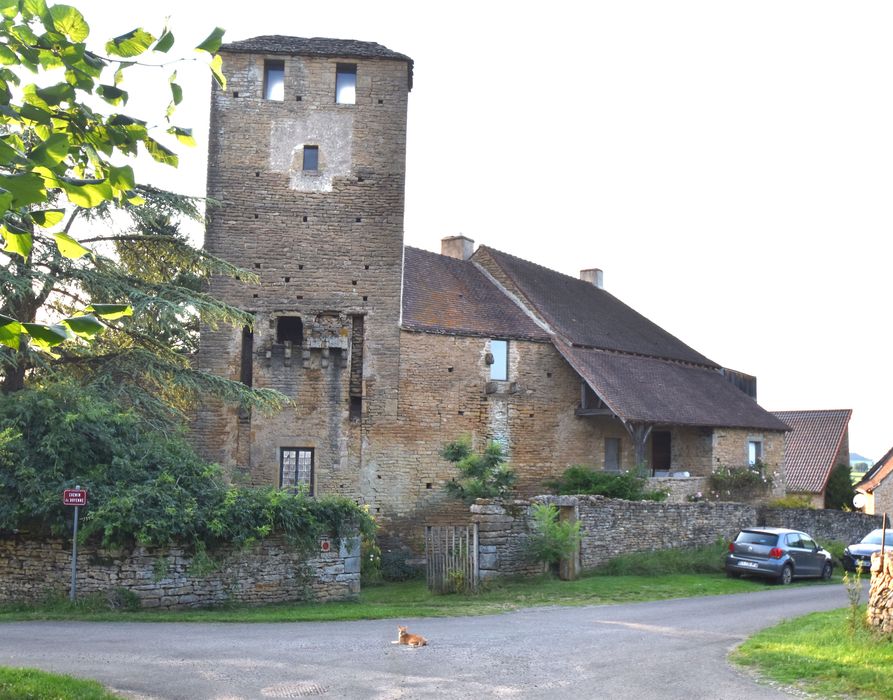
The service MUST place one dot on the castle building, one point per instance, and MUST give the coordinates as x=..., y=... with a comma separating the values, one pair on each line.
x=388, y=353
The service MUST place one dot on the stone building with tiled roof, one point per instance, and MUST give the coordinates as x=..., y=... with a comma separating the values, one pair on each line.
x=388, y=352
x=877, y=486
x=818, y=442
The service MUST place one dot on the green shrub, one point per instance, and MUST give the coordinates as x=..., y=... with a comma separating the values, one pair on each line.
x=551, y=539
x=698, y=560
x=480, y=476
x=739, y=483
x=792, y=501
x=583, y=480
x=144, y=485
x=836, y=551
x=395, y=568
x=839, y=492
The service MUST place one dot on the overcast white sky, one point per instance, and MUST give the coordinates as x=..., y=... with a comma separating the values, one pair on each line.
x=729, y=165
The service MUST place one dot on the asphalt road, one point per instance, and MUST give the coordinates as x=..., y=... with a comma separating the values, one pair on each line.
x=666, y=649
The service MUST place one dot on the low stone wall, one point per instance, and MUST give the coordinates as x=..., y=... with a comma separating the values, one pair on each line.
x=611, y=527
x=268, y=572
x=679, y=489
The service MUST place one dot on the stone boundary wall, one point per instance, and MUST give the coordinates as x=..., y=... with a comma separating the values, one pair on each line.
x=611, y=527
x=678, y=488
x=268, y=572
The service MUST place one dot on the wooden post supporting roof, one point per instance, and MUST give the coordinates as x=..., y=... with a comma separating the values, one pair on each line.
x=639, y=432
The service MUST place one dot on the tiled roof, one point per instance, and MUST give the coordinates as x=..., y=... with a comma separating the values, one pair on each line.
x=652, y=390
x=316, y=46
x=445, y=295
x=880, y=471
x=812, y=446
x=585, y=315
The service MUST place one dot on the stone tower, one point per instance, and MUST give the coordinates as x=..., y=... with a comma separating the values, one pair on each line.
x=307, y=161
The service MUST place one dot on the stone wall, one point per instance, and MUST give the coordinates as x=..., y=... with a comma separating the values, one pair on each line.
x=679, y=489
x=730, y=450
x=611, y=527
x=880, y=595
x=269, y=572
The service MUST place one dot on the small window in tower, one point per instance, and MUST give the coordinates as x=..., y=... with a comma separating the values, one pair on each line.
x=346, y=84
x=274, y=80
x=499, y=351
x=311, y=158
x=296, y=469
x=290, y=329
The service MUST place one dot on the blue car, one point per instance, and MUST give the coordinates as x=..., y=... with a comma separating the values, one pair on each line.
x=859, y=554
x=777, y=553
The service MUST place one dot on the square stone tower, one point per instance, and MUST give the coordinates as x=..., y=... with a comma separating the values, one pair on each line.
x=307, y=163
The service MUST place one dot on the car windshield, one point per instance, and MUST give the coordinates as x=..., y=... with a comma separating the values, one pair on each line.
x=874, y=537
x=764, y=538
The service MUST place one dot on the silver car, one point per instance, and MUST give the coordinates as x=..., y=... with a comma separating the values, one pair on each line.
x=778, y=553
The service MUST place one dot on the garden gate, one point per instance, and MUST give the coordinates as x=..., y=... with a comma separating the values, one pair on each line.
x=451, y=553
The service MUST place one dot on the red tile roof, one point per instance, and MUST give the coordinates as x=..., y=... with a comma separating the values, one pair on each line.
x=812, y=446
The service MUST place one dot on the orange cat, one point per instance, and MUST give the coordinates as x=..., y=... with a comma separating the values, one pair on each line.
x=413, y=640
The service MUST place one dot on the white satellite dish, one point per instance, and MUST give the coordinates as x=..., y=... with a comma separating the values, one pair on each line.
x=859, y=500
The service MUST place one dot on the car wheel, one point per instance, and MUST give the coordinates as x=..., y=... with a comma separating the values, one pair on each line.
x=826, y=570
x=787, y=575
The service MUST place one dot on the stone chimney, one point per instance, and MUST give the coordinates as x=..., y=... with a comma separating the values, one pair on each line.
x=593, y=276
x=458, y=247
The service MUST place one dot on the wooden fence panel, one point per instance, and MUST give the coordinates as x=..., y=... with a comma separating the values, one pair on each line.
x=451, y=553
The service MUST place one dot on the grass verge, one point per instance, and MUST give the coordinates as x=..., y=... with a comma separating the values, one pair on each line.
x=819, y=654
x=29, y=684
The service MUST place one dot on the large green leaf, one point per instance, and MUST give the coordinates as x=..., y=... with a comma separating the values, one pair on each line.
x=47, y=218
x=110, y=312
x=217, y=70
x=122, y=178
x=56, y=94
x=26, y=189
x=87, y=196
x=46, y=336
x=131, y=44
x=112, y=94
x=160, y=153
x=70, y=22
x=165, y=41
x=69, y=247
x=212, y=43
x=183, y=135
x=9, y=8
x=7, y=56
x=10, y=332
x=52, y=151
x=83, y=326
x=18, y=243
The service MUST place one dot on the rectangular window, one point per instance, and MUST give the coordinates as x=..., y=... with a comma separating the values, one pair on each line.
x=274, y=80
x=246, y=371
x=612, y=454
x=290, y=329
x=754, y=452
x=296, y=469
x=499, y=353
x=311, y=158
x=346, y=84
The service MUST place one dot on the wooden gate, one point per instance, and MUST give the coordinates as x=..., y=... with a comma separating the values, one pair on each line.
x=451, y=553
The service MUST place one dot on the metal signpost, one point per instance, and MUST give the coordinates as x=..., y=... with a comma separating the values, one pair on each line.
x=76, y=497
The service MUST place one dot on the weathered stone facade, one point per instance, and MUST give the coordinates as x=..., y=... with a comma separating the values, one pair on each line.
x=879, y=614
x=326, y=246
x=374, y=400
x=268, y=572
x=611, y=527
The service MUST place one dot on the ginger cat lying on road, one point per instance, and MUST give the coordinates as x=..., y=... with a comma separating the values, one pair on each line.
x=413, y=640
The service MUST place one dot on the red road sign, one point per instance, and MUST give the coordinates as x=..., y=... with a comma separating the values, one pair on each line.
x=74, y=497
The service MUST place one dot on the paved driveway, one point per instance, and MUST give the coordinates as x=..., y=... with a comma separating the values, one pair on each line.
x=666, y=649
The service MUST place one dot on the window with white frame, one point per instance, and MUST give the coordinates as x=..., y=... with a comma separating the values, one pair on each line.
x=499, y=352
x=296, y=469
x=754, y=452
